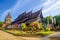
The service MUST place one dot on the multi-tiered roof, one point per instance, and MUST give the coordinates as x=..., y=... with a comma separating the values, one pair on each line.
x=29, y=17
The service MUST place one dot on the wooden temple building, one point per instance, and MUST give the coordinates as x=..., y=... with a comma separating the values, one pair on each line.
x=29, y=17
x=23, y=18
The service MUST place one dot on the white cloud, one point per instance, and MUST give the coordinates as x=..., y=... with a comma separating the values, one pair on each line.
x=20, y=4
x=52, y=7
x=58, y=6
x=47, y=2
x=43, y=4
x=4, y=14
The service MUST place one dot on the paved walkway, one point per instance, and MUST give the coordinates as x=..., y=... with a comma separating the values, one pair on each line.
x=35, y=38
x=6, y=36
x=56, y=34
x=30, y=38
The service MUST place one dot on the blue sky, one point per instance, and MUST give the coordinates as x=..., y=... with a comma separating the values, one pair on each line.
x=16, y=7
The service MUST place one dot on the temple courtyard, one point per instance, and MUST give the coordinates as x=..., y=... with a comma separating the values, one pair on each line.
x=7, y=36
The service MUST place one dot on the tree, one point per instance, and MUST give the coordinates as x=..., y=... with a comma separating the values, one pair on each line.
x=46, y=19
x=1, y=24
x=57, y=20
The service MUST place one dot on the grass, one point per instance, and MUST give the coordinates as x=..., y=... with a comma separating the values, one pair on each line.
x=28, y=33
x=25, y=33
x=44, y=33
x=15, y=32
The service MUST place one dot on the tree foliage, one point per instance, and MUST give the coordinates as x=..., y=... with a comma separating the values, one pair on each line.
x=1, y=23
x=57, y=20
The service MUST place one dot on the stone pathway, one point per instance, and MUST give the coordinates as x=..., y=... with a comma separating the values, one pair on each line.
x=7, y=36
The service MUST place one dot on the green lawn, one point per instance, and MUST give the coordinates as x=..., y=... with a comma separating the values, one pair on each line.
x=25, y=33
